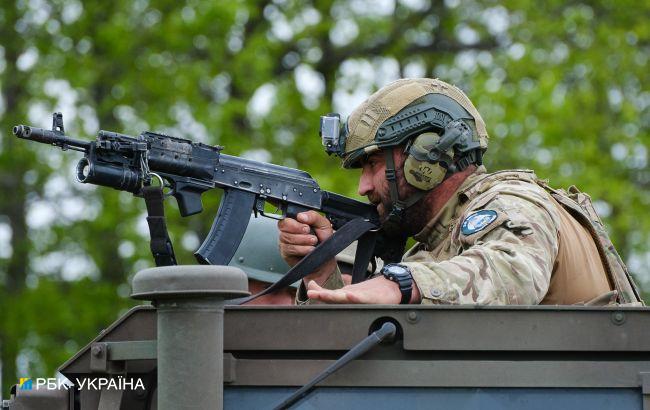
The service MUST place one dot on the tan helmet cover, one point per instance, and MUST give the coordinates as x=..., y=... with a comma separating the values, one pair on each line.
x=365, y=120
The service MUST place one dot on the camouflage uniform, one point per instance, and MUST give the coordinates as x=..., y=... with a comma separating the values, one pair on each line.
x=508, y=262
x=511, y=261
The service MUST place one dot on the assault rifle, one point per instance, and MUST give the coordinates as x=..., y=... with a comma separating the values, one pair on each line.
x=187, y=169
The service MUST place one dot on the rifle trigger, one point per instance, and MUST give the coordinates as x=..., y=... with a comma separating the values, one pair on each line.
x=259, y=206
x=259, y=209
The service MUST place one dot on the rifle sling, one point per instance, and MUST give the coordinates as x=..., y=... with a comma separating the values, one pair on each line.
x=365, y=249
x=326, y=250
x=161, y=246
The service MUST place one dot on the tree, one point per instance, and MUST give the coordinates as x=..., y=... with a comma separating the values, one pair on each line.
x=565, y=95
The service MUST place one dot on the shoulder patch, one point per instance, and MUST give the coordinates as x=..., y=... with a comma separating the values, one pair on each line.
x=477, y=221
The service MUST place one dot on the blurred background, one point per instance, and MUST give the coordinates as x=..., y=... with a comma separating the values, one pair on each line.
x=562, y=85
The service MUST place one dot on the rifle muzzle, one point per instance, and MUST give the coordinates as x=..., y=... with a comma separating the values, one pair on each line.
x=22, y=131
x=36, y=134
x=50, y=137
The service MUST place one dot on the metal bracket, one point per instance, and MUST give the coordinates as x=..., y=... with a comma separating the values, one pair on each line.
x=110, y=399
x=132, y=350
x=99, y=357
x=110, y=357
x=645, y=389
x=229, y=368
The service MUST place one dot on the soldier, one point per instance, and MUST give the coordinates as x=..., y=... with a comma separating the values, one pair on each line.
x=499, y=238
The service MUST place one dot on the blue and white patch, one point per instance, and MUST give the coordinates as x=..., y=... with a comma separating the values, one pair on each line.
x=478, y=221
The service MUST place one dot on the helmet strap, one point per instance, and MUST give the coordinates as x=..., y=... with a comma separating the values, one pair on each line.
x=397, y=206
x=474, y=157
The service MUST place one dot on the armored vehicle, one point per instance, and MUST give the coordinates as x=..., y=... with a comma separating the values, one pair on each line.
x=189, y=349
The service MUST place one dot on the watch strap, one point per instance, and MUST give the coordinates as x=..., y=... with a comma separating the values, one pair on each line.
x=404, y=280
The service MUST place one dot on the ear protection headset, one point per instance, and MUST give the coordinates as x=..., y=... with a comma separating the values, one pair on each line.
x=418, y=170
x=431, y=156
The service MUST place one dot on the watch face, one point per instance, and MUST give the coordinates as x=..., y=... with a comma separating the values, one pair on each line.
x=395, y=269
x=402, y=276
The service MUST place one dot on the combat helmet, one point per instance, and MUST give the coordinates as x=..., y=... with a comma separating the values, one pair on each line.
x=442, y=131
x=259, y=257
x=258, y=254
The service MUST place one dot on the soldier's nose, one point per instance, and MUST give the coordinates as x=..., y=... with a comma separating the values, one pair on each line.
x=365, y=184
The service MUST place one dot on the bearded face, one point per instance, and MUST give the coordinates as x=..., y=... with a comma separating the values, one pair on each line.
x=374, y=185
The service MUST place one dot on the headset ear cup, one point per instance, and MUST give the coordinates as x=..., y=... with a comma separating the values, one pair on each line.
x=422, y=174
x=418, y=171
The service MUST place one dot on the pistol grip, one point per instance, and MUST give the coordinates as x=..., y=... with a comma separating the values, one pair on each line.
x=188, y=198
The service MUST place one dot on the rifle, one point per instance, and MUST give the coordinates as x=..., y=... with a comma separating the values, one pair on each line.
x=187, y=169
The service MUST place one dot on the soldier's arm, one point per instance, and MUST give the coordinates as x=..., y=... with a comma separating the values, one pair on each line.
x=509, y=261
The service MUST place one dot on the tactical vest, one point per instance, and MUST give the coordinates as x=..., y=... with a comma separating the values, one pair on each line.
x=579, y=206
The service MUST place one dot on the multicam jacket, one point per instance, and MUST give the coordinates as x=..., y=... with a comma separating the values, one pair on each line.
x=508, y=238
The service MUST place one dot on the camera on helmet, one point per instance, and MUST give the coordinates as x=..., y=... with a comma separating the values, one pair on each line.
x=330, y=132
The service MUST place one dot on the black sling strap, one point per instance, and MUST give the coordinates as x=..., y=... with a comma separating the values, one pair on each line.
x=161, y=245
x=326, y=250
x=365, y=248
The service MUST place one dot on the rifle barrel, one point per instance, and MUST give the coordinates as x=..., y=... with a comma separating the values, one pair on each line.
x=49, y=137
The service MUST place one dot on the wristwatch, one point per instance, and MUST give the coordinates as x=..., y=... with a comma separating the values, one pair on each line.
x=401, y=275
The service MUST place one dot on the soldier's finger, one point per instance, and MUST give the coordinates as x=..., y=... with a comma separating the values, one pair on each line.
x=313, y=218
x=314, y=291
x=329, y=296
x=321, y=225
x=312, y=285
x=295, y=250
x=290, y=225
x=298, y=239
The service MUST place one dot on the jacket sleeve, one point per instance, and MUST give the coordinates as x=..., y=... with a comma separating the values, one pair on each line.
x=509, y=261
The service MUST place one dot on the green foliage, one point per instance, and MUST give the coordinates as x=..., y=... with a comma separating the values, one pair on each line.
x=55, y=319
x=562, y=86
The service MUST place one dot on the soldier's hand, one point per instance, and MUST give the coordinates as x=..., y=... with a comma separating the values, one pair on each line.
x=300, y=236
x=377, y=290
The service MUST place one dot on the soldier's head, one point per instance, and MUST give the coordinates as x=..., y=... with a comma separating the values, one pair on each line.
x=407, y=138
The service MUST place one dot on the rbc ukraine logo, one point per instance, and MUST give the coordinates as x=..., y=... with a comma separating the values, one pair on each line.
x=25, y=383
